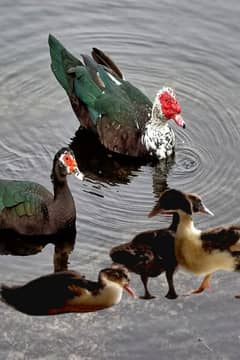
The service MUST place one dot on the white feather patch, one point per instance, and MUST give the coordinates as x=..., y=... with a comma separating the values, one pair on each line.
x=114, y=79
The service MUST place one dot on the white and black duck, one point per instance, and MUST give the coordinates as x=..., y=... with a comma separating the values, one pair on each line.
x=124, y=119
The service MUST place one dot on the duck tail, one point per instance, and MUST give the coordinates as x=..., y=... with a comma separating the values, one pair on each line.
x=126, y=257
x=8, y=295
x=17, y=297
x=61, y=62
x=101, y=58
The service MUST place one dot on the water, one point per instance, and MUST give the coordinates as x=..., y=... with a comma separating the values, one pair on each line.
x=192, y=46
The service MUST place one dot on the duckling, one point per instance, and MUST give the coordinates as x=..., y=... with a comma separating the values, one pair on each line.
x=68, y=291
x=200, y=251
x=149, y=254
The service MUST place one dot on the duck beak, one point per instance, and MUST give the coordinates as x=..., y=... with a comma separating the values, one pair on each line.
x=71, y=165
x=73, y=169
x=205, y=210
x=154, y=212
x=157, y=210
x=179, y=120
x=128, y=288
x=79, y=175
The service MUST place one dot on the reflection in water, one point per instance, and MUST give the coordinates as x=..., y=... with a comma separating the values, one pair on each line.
x=160, y=175
x=62, y=251
x=98, y=163
x=11, y=244
x=14, y=244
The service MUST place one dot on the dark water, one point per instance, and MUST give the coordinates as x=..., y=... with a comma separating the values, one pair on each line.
x=191, y=45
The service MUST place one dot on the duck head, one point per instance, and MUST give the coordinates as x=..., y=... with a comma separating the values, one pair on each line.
x=118, y=275
x=64, y=164
x=172, y=201
x=166, y=107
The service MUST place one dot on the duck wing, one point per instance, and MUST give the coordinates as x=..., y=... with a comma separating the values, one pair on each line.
x=62, y=61
x=221, y=238
x=138, y=259
x=21, y=198
x=124, y=111
x=101, y=58
x=102, y=99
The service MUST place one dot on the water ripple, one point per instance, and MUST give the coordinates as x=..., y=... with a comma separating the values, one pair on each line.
x=197, y=56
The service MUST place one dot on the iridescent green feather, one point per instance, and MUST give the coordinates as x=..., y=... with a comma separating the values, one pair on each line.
x=62, y=61
x=22, y=197
x=112, y=96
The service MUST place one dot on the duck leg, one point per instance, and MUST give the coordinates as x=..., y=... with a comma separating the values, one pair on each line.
x=147, y=295
x=171, y=294
x=205, y=284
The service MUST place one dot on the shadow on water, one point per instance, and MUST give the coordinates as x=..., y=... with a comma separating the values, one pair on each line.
x=14, y=244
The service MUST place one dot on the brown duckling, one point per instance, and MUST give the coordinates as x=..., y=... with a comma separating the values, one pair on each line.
x=200, y=251
x=68, y=291
x=149, y=254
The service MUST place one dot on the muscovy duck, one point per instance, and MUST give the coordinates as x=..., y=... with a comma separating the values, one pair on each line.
x=124, y=119
x=29, y=209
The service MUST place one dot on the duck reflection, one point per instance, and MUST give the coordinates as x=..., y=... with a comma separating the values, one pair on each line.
x=13, y=244
x=98, y=163
x=160, y=175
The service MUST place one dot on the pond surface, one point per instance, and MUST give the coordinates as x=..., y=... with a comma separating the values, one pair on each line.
x=194, y=47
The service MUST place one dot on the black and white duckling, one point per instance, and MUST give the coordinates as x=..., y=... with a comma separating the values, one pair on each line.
x=68, y=291
x=29, y=209
x=200, y=251
x=149, y=254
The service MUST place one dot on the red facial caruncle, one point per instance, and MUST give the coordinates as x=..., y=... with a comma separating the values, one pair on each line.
x=70, y=162
x=171, y=108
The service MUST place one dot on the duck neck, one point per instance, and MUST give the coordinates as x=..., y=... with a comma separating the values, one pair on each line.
x=110, y=293
x=158, y=138
x=63, y=201
x=175, y=222
x=60, y=187
x=186, y=229
x=157, y=119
